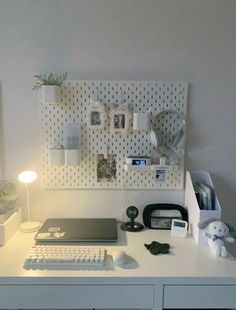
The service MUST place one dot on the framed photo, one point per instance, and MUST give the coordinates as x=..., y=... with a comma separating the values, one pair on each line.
x=119, y=120
x=120, y=117
x=96, y=115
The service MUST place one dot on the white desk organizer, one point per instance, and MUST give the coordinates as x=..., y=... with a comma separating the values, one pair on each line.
x=9, y=227
x=195, y=214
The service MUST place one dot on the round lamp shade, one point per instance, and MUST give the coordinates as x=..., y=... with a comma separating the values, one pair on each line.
x=27, y=176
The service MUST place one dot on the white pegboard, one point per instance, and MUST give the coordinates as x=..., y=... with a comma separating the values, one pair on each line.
x=141, y=95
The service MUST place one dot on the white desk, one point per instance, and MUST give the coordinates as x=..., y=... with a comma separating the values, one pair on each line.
x=189, y=277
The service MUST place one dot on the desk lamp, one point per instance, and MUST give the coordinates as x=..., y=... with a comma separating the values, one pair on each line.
x=27, y=177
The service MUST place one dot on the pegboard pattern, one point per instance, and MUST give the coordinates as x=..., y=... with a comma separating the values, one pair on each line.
x=141, y=95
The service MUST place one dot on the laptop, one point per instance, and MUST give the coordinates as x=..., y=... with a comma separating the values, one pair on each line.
x=78, y=229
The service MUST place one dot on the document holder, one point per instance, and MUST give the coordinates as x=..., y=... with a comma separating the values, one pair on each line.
x=196, y=215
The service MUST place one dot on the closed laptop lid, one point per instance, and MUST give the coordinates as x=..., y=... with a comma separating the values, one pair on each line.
x=74, y=229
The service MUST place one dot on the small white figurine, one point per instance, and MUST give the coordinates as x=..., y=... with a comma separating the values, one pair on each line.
x=217, y=233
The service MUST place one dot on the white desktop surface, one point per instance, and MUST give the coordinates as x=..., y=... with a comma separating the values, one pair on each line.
x=187, y=265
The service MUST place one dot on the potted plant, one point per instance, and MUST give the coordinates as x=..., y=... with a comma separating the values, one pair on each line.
x=10, y=215
x=8, y=198
x=50, y=85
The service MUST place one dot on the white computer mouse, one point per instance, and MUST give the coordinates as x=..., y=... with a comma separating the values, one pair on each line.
x=119, y=257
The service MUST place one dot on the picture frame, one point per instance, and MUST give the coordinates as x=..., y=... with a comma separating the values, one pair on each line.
x=120, y=117
x=96, y=114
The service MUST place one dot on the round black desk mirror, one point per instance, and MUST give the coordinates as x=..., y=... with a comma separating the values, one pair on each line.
x=132, y=213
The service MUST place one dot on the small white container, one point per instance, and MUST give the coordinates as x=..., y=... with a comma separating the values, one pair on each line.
x=56, y=157
x=51, y=94
x=72, y=157
x=9, y=227
x=141, y=121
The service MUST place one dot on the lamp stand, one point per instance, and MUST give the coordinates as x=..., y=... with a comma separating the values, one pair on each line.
x=28, y=226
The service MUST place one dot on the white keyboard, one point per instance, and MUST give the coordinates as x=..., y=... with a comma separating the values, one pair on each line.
x=48, y=256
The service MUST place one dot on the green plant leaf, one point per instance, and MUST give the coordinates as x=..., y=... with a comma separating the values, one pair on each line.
x=49, y=79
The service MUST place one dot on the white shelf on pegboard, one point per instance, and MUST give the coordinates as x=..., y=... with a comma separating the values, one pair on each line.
x=149, y=167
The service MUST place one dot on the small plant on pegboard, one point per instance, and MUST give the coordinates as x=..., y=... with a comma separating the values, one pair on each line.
x=49, y=79
x=50, y=85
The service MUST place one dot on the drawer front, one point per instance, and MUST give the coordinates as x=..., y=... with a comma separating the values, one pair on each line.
x=76, y=296
x=202, y=296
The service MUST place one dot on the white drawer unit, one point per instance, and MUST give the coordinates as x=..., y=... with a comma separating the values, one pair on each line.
x=77, y=296
x=202, y=296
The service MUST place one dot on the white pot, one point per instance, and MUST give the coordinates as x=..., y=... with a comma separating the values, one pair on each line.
x=51, y=94
x=9, y=227
x=56, y=157
x=72, y=157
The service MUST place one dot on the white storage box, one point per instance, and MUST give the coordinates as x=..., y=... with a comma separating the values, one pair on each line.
x=9, y=227
x=196, y=215
x=57, y=157
x=72, y=157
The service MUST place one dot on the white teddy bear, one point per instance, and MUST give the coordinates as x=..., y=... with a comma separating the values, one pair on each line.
x=217, y=233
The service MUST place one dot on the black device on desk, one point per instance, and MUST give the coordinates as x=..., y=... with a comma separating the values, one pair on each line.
x=132, y=212
x=74, y=230
x=160, y=215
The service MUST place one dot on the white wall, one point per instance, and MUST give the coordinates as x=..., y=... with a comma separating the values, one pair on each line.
x=191, y=40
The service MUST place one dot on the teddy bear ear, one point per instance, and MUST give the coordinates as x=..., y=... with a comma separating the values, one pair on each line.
x=204, y=224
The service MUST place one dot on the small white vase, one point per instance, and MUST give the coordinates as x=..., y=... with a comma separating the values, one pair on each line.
x=56, y=157
x=72, y=157
x=51, y=94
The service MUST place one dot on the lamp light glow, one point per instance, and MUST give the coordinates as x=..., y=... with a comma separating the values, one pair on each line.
x=27, y=177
